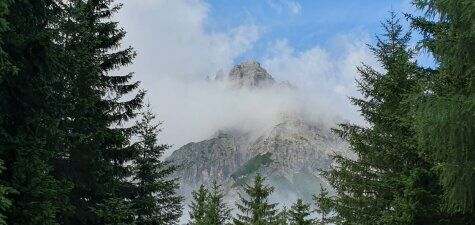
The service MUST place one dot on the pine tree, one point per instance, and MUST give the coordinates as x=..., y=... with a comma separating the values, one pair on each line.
x=323, y=207
x=31, y=111
x=5, y=202
x=217, y=212
x=283, y=216
x=299, y=213
x=5, y=66
x=388, y=182
x=115, y=211
x=256, y=209
x=445, y=121
x=156, y=201
x=198, y=206
x=99, y=148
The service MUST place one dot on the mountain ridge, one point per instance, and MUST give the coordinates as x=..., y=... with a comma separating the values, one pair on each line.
x=290, y=154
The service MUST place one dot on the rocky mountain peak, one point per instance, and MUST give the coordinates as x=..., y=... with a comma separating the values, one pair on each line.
x=250, y=74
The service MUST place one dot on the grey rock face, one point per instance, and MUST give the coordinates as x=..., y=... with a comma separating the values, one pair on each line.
x=297, y=145
x=213, y=159
x=290, y=155
x=250, y=74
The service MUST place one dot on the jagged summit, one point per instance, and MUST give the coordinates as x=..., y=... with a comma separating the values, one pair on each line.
x=250, y=74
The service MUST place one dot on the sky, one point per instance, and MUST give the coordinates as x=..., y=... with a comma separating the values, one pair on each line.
x=314, y=44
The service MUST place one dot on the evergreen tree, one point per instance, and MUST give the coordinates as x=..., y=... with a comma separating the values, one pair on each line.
x=299, y=213
x=388, y=182
x=115, y=211
x=5, y=202
x=5, y=65
x=217, y=212
x=256, y=209
x=445, y=121
x=99, y=148
x=283, y=216
x=198, y=206
x=31, y=109
x=323, y=207
x=156, y=201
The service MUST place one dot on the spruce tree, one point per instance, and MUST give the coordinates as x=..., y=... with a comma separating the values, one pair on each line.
x=283, y=216
x=31, y=109
x=198, y=206
x=323, y=207
x=5, y=65
x=115, y=211
x=156, y=201
x=445, y=121
x=217, y=212
x=255, y=209
x=99, y=103
x=299, y=213
x=5, y=202
x=388, y=182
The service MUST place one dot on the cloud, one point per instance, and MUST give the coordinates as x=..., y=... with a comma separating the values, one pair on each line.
x=195, y=109
x=325, y=72
x=176, y=52
x=282, y=5
x=171, y=39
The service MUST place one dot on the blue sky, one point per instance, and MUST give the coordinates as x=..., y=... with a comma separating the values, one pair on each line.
x=303, y=23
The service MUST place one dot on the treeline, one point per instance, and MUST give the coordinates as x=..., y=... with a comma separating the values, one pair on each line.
x=208, y=207
x=78, y=146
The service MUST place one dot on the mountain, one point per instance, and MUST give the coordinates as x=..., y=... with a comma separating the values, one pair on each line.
x=290, y=154
x=250, y=74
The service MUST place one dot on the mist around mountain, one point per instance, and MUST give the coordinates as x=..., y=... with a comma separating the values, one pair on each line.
x=290, y=149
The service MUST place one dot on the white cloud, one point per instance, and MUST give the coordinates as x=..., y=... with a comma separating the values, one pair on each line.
x=326, y=73
x=295, y=7
x=176, y=53
x=171, y=39
x=280, y=5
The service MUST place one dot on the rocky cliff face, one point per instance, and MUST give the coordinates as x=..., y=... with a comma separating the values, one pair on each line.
x=213, y=159
x=250, y=74
x=296, y=145
x=290, y=154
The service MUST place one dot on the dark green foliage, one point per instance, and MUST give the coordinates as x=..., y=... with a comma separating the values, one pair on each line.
x=155, y=201
x=98, y=144
x=5, y=202
x=5, y=65
x=444, y=116
x=283, y=217
x=255, y=209
x=252, y=165
x=115, y=211
x=58, y=126
x=198, y=206
x=388, y=182
x=6, y=68
x=208, y=207
x=63, y=139
x=31, y=111
x=299, y=213
x=323, y=207
x=217, y=212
